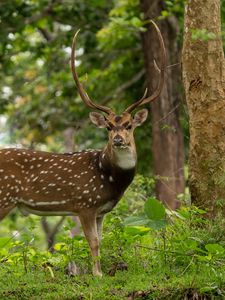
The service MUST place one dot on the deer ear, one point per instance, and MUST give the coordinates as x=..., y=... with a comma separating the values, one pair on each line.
x=140, y=117
x=97, y=119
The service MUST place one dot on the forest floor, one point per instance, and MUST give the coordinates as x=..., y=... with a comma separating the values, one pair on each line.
x=183, y=258
x=130, y=284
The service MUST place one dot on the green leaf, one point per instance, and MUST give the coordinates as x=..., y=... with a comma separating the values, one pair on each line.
x=157, y=224
x=136, y=230
x=156, y=214
x=136, y=22
x=59, y=246
x=164, y=13
x=136, y=221
x=155, y=210
x=214, y=248
x=190, y=244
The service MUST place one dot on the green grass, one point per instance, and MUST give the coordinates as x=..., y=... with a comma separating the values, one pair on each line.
x=185, y=260
x=39, y=284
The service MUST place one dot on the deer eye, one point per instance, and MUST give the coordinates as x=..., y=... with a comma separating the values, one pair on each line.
x=110, y=126
x=129, y=126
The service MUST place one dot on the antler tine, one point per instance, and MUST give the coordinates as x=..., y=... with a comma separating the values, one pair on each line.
x=161, y=70
x=83, y=94
x=144, y=95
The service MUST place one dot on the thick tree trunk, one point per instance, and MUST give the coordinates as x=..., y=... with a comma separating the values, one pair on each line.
x=204, y=81
x=168, y=147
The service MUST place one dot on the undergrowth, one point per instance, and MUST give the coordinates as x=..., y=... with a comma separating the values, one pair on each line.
x=160, y=255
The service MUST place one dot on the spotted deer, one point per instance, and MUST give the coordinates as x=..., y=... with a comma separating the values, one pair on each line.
x=87, y=183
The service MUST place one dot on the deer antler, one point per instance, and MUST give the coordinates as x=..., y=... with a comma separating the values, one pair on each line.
x=161, y=70
x=83, y=94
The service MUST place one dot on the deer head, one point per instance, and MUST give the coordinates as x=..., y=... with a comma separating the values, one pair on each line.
x=121, y=127
x=121, y=145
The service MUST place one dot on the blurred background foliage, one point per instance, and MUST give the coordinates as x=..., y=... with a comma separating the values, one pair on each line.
x=38, y=97
x=39, y=101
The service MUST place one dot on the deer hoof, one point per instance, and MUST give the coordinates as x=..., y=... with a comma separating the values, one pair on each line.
x=97, y=273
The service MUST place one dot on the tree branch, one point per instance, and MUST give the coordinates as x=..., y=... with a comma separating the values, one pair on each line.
x=46, y=34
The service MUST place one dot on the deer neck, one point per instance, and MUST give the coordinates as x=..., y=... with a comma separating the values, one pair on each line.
x=119, y=161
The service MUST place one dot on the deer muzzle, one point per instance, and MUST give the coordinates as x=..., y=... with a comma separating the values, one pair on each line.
x=118, y=141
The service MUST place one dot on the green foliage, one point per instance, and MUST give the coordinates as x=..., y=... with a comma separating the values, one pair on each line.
x=34, y=63
x=223, y=21
x=185, y=256
x=169, y=255
x=38, y=95
x=175, y=7
x=155, y=212
x=202, y=35
x=154, y=217
x=123, y=26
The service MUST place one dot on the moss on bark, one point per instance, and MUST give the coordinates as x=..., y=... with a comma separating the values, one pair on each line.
x=204, y=82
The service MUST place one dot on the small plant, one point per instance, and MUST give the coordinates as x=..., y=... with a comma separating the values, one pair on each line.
x=154, y=215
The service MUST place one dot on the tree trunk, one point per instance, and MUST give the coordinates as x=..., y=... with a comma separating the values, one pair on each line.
x=168, y=147
x=204, y=82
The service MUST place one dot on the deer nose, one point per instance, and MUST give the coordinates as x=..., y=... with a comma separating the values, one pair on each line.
x=118, y=140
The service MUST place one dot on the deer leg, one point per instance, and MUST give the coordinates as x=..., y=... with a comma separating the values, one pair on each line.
x=89, y=225
x=99, y=221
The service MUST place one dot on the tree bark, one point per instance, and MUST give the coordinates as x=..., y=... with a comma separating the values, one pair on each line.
x=204, y=82
x=167, y=145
